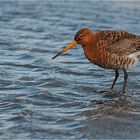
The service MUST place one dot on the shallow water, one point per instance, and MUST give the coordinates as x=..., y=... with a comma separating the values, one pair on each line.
x=62, y=98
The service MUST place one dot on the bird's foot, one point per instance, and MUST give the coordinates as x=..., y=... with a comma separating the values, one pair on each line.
x=124, y=102
x=121, y=94
x=123, y=97
x=111, y=93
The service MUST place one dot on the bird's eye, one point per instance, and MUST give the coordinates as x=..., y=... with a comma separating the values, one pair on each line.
x=81, y=36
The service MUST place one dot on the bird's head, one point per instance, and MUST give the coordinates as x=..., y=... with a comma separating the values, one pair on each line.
x=83, y=37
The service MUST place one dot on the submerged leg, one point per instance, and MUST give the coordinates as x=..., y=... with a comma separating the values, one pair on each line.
x=112, y=93
x=125, y=81
x=116, y=77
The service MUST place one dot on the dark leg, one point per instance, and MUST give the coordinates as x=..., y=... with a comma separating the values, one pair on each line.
x=125, y=81
x=116, y=77
x=112, y=93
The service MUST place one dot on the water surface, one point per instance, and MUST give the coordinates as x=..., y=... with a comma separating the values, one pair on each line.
x=62, y=98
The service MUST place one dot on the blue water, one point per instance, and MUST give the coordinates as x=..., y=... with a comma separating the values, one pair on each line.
x=41, y=98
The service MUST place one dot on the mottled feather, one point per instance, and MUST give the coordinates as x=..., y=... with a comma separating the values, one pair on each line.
x=125, y=47
x=119, y=42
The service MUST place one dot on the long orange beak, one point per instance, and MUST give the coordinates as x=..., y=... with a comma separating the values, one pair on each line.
x=74, y=43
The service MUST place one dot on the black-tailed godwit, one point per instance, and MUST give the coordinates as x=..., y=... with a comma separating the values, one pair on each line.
x=110, y=49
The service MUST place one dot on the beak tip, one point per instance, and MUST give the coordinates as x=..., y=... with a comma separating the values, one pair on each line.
x=74, y=43
x=55, y=56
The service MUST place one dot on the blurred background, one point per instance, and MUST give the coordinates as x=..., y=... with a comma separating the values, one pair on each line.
x=41, y=98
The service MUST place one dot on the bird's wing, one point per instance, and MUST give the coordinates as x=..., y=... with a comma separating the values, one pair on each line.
x=112, y=36
x=119, y=42
x=124, y=46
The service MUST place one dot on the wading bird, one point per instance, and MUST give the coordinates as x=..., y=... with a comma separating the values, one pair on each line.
x=110, y=49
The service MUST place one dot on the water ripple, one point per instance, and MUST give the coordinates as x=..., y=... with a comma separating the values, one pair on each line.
x=41, y=98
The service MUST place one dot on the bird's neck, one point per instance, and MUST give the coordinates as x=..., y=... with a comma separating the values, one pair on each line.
x=89, y=51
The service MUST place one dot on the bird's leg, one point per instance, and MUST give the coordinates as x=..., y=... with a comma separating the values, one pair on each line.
x=125, y=81
x=116, y=77
x=112, y=93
